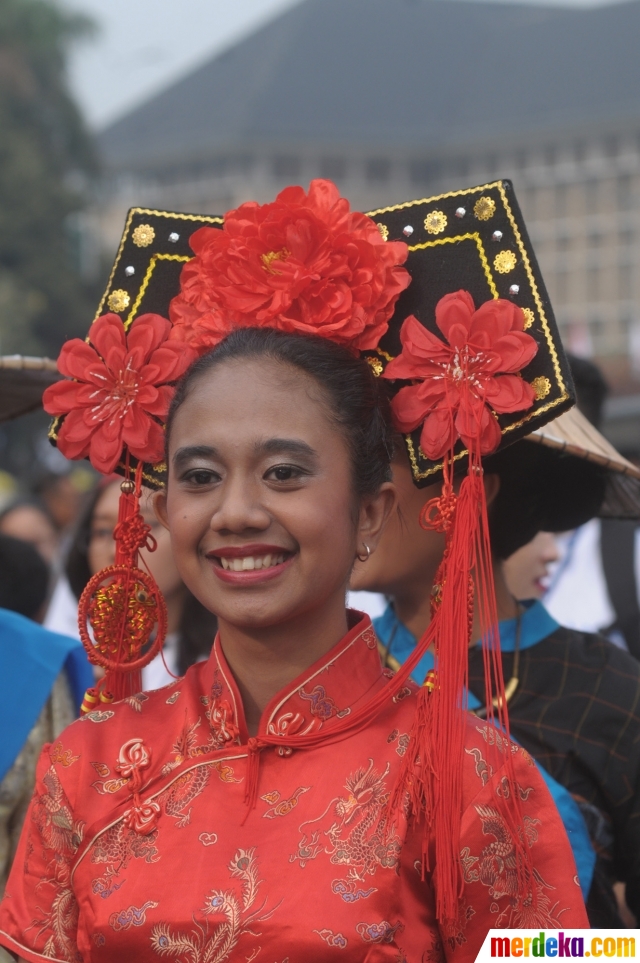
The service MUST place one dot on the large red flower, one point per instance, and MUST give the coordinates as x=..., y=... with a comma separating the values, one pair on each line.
x=120, y=388
x=462, y=381
x=303, y=263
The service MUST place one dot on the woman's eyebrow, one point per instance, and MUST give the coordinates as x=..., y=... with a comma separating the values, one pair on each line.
x=289, y=446
x=186, y=454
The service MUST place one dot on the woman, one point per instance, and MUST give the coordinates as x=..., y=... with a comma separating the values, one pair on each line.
x=571, y=696
x=527, y=570
x=191, y=628
x=260, y=784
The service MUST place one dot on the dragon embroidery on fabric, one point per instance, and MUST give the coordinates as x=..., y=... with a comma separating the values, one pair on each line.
x=186, y=745
x=62, y=835
x=359, y=837
x=236, y=913
x=496, y=869
x=183, y=791
x=117, y=847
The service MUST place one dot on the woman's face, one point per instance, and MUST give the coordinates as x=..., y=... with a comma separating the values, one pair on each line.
x=259, y=502
x=526, y=571
x=102, y=547
x=30, y=524
x=407, y=556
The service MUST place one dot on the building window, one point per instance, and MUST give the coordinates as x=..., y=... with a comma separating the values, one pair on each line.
x=424, y=171
x=626, y=236
x=378, y=170
x=563, y=242
x=560, y=200
x=334, y=168
x=594, y=240
x=592, y=196
x=286, y=166
x=624, y=192
x=562, y=286
x=625, y=282
x=593, y=283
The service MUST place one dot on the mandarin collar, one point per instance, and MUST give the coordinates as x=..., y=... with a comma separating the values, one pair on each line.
x=327, y=691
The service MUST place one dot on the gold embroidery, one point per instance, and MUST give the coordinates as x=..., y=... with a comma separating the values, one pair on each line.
x=147, y=278
x=529, y=318
x=504, y=262
x=143, y=235
x=541, y=387
x=376, y=366
x=484, y=208
x=384, y=231
x=118, y=300
x=435, y=222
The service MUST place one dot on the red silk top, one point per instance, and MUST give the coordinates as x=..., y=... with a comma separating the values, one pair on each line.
x=139, y=846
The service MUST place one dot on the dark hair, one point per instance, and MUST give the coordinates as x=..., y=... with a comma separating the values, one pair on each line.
x=541, y=490
x=591, y=388
x=24, y=577
x=357, y=402
x=197, y=627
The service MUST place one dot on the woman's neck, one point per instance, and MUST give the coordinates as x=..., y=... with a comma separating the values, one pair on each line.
x=412, y=606
x=265, y=661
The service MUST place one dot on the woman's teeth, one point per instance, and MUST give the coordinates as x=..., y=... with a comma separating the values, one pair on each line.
x=250, y=562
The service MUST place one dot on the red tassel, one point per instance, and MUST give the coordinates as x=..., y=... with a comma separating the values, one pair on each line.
x=123, y=607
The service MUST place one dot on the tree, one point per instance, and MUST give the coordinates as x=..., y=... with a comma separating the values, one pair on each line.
x=47, y=161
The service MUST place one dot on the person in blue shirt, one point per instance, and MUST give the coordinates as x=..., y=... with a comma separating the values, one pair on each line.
x=574, y=700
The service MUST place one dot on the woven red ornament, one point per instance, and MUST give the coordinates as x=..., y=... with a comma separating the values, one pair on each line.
x=112, y=409
x=458, y=386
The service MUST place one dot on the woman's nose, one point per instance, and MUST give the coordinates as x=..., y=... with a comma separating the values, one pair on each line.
x=239, y=509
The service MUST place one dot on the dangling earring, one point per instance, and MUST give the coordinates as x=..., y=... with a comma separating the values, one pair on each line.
x=365, y=558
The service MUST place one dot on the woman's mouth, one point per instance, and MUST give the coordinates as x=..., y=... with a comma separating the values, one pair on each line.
x=250, y=564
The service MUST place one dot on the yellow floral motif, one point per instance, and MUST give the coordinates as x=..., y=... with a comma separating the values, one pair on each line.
x=118, y=300
x=504, y=262
x=435, y=222
x=384, y=231
x=484, y=208
x=529, y=318
x=376, y=366
x=541, y=387
x=143, y=235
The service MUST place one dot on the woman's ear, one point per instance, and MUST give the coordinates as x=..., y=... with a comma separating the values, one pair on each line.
x=159, y=500
x=491, y=487
x=374, y=514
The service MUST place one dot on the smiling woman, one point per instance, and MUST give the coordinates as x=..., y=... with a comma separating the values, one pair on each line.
x=262, y=807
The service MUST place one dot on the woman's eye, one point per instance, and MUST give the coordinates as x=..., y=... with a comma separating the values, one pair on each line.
x=201, y=477
x=284, y=473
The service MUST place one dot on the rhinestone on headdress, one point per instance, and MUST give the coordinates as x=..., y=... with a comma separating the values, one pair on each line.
x=460, y=212
x=173, y=237
x=513, y=290
x=407, y=230
x=129, y=271
x=496, y=236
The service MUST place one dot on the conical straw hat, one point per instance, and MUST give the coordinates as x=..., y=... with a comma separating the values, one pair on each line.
x=22, y=381
x=573, y=433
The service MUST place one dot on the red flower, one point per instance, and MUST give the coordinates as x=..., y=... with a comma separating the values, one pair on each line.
x=120, y=389
x=303, y=263
x=463, y=380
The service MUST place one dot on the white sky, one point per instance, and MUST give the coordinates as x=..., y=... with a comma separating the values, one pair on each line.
x=144, y=45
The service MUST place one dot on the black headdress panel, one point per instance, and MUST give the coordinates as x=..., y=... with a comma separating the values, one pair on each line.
x=475, y=240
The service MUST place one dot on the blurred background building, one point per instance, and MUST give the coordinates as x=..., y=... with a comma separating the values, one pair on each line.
x=397, y=99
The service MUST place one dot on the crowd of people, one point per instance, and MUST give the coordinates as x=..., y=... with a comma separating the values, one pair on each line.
x=286, y=776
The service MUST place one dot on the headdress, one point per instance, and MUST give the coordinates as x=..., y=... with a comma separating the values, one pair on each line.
x=465, y=336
